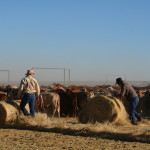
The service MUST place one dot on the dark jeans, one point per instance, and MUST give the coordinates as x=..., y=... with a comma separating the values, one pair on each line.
x=133, y=104
x=28, y=99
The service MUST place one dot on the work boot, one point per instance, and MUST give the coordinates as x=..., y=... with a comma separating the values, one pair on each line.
x=139, y=119
x=133, y=121
x=27, y=114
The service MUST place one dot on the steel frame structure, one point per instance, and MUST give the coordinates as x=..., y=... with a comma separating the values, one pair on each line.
x=64, y=70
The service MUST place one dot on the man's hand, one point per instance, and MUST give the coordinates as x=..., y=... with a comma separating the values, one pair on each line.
x=20, y=96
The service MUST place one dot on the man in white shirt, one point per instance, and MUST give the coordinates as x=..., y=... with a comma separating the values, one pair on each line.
x=28, y=90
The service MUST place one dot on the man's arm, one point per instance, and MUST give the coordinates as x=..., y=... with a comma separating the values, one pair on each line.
x=123, y=91
x=37, y=89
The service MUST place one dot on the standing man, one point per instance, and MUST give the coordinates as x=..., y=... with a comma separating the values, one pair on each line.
x=131, y=95
x=28, y=91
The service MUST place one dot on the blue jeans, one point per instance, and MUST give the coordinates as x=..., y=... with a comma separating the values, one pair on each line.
x=28, y=99
x=133, y=104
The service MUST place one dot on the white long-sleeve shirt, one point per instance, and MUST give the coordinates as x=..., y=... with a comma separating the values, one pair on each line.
x=29, y=85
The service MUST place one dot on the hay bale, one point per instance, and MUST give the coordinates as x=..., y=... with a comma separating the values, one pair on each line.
x=103, y=109
x=10, y=111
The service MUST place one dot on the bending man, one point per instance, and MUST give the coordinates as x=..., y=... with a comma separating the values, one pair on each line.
x=131, y=95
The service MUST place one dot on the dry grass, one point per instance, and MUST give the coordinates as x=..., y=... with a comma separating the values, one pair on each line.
x=42, y=132
x=71, y=126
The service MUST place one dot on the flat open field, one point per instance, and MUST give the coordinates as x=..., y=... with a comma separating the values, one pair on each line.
x=43, y=133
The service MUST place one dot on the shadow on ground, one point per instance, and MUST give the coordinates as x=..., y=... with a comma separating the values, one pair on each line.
x=86, y=133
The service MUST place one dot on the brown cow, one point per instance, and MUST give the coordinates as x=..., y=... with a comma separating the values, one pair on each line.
x=73, y=100
x=12, y=92
x=68, y=103
x=3, y=96
x=47, y=99
x=145, y=104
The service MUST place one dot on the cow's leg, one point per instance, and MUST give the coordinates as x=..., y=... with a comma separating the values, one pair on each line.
x=36, y=108
x=58, y=111
x=58, y=108
x=75, y=106
x=54, y=110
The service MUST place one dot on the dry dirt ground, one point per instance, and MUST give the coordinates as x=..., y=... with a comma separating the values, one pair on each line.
x=68, y=134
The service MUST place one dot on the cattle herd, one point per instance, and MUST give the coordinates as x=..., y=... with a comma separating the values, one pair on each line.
x=68, y=101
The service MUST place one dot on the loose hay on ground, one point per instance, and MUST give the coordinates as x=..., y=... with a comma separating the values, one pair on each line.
x=104, y=109
x=10, y=114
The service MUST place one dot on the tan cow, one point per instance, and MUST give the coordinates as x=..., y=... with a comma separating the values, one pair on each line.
x=47, y=99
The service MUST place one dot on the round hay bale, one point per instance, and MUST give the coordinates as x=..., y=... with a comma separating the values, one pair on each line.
x=103, y=109
x=9, y=112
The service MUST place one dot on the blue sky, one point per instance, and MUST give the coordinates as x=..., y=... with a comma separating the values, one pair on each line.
x=91, y=37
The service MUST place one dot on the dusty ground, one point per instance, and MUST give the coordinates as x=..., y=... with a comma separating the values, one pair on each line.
x=14, y=139
x=69, y=134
